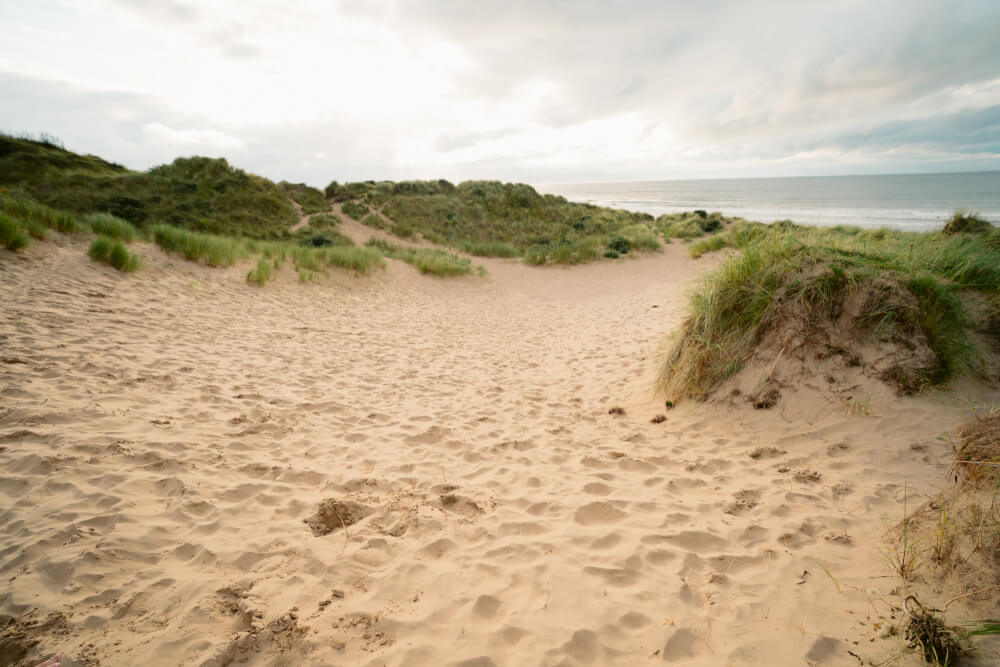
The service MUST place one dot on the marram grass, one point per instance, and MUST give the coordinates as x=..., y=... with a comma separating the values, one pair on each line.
x=782, y=264
x=110, y=225
x=431, y=261
x=112, y=252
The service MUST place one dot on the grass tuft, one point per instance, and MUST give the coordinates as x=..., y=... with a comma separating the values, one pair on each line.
x=110, y=251
x=262, y=272
x=196, y=247
x=431, y=261
x=11, y=235
x=110, y=225
x=965, y=222
x=489, y=249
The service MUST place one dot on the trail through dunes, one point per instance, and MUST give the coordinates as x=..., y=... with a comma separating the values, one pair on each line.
x=403, y=470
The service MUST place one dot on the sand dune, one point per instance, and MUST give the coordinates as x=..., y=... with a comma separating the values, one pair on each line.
x=402, y=470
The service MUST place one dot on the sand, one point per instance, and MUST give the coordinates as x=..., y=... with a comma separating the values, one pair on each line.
x=404, y=470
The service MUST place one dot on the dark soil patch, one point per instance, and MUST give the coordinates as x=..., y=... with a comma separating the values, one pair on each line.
x=332, y=514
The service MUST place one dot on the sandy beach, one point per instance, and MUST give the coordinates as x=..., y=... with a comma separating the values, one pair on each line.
x=405, y=470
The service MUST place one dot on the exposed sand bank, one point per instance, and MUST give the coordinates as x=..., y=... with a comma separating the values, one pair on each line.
x=164, y=436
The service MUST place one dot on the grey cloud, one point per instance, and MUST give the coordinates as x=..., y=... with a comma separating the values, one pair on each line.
x=228, y=37
x=791, y=64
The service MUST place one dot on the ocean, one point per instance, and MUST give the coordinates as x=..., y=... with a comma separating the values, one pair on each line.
x=915, y=202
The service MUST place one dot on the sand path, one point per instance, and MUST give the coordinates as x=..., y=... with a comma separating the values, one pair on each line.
x=164, y=435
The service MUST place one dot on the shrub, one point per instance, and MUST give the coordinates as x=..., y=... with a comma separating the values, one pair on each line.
x=620, y=245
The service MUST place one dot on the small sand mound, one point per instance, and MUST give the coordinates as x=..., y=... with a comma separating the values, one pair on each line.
x=873, y=329
x=332, y=514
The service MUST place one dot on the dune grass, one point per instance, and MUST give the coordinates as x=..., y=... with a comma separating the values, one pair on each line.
x=309, y=198
x=110, y=225
x=431, y=261
x=375, y=221
x=111, y=251
x=196, y=247
x=966, y=222
x=784, y=265
x=261, y=273
x=322, y=221
x=489, y=249
x=362, y=261
x=35, y=217
x=691, y=224
x=355, y=210
x=489, y=218
x=197, y=193
x=12, y=236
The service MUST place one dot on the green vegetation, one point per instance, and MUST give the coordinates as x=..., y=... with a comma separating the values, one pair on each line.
x=262, y=272
x=489, y=249
x=691, y=224
x=323, y=221
x=376, y=221
x=35, y=217
x=322, y=231
x=426, y=260
x=110, y=251
x=110, y=225
x=195, y=247
x=964, y=222
x=355, y=210
x=489, y=218
x=784, y=272
x=11, y=235
x=24, y=217
x=197, y=193
x=309, y=198
x=316, y=260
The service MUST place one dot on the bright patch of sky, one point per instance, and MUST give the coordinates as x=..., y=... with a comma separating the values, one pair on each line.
x=537, y=91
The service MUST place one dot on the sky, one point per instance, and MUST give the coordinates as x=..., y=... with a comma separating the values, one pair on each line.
x=540, y=91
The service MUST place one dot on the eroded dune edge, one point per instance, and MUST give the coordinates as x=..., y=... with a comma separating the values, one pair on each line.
x=406, y=471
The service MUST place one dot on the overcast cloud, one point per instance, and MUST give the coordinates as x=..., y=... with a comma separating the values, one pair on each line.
x=537, y=91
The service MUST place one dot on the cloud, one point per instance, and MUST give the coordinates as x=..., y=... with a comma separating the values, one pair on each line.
x=546, y=90
x=193, y=138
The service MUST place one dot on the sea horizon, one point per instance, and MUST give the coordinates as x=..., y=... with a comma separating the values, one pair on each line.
x=910, y=201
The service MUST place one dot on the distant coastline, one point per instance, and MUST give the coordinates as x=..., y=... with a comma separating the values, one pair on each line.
x=916, y=202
